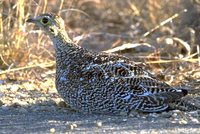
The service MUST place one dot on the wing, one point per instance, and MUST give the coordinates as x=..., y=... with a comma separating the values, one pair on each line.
x=133, y=85
x=154, y=95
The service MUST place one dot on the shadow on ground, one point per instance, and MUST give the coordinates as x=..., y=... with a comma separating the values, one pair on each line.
x=42, y=118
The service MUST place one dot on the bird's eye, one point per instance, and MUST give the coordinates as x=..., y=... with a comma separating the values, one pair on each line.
x=45, y=21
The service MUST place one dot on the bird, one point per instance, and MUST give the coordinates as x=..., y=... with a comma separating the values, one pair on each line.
x=103, y=83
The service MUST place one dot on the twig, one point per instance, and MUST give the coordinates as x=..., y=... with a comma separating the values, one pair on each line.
x=127, y=46
x=42, y=65
x=75, y=10
x=163, y=23
x=198, y=52
x=1, y=57
x=170, y=61
x=110, y=35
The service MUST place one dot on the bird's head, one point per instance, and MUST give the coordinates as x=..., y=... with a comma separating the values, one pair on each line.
x=51, y=24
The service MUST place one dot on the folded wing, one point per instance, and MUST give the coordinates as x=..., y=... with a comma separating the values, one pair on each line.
x=134, y=85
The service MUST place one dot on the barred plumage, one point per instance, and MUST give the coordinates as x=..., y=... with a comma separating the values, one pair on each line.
x=103, y=83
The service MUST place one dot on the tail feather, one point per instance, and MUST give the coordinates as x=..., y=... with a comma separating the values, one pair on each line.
x=183, y=106
x=166, y=101
x=170, y=97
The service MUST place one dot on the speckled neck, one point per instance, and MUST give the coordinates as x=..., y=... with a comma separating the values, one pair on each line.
x=62, y=42
x=67, y=52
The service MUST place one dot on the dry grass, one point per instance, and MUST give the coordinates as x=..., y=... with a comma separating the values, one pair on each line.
x=108, y=25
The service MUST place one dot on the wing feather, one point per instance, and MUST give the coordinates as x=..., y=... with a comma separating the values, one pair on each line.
x=131, y=81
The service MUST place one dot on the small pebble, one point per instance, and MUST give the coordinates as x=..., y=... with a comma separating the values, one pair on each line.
x=75, y=125
x=20, y=95
x=194, y=120
x=154, y=115
x=176, y=111
x=14, y=88
x=52, y=130
x=124, y=120
x=173, y=122
x=72, y=126
x=153, y=132
x=99, y=124
x=143, y=132
x=52, y=121
x=182, y=121
x=174, y=115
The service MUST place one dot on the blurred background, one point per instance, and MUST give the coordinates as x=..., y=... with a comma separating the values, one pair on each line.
x=164, y=34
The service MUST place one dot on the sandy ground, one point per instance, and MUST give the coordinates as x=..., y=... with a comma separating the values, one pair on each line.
x=63, y=121
x=29, y=108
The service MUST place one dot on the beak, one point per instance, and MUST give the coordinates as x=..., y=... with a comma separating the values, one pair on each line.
x=30, y=20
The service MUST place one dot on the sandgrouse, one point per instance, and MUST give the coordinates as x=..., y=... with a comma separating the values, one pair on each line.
x=92, y=82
